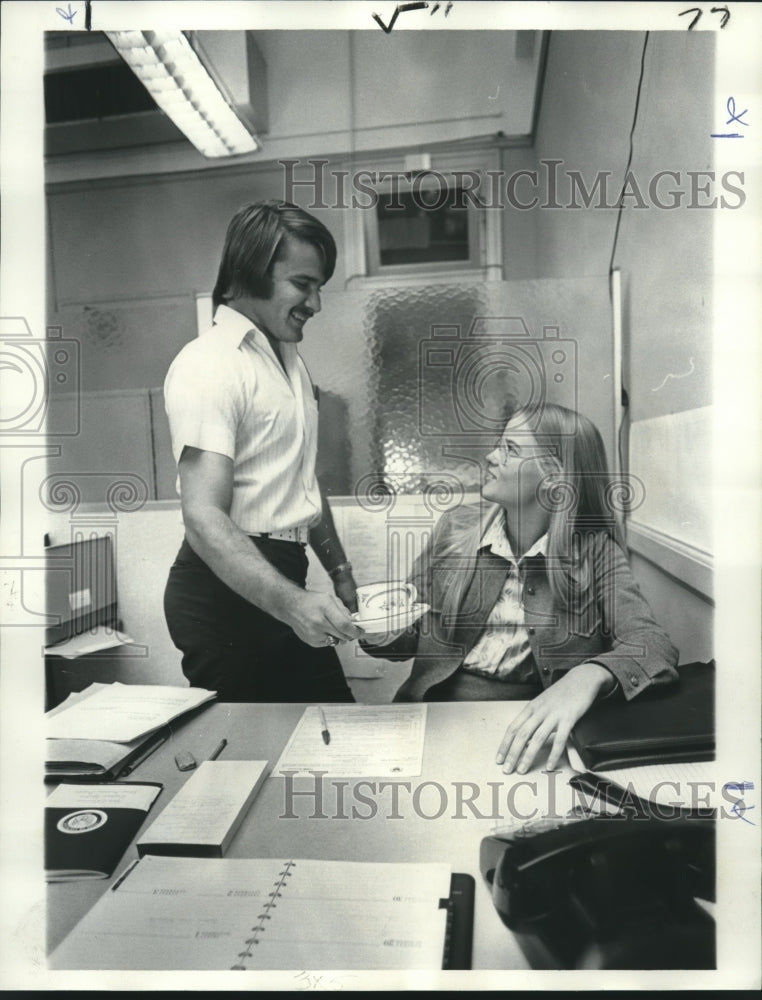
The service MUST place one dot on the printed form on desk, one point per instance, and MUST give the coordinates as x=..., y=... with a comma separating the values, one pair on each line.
x=366, y=741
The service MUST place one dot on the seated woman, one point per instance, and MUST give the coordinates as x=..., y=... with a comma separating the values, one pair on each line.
x=531, y=594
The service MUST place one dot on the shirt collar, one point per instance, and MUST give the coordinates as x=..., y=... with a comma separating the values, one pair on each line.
x=231, y=325
x=234, y=328
x=496, y=539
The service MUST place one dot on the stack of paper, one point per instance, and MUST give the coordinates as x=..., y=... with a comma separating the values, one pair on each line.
x=108, y=728
x=204, y=815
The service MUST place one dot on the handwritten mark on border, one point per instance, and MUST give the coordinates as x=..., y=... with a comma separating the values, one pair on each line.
x=402, y=8
x=698, y=11
x=740, y=807
x=67, y=15
x=731, y=107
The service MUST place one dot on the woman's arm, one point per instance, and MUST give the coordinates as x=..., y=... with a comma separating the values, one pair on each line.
x=554, y=713
x=399, y=646
x=404, y=645
x=641, y=654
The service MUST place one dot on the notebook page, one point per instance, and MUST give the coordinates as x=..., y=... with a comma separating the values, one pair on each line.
x=689, y=784
x=208, y=913
x=356, y=916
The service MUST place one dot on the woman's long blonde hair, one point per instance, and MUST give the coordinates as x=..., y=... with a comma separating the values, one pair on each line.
x=578, y=494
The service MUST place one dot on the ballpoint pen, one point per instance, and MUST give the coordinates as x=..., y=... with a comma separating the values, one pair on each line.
x=324, y=732
x=154, y=745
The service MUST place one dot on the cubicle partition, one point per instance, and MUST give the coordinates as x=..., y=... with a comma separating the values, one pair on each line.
x=382, y=537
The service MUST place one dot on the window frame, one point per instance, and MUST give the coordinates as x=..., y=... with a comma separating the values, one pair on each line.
x=485, y=262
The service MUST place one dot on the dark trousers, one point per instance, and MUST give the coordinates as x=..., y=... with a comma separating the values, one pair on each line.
x=234, y=648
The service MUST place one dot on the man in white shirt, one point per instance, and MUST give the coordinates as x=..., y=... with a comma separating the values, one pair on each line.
x=243, y=419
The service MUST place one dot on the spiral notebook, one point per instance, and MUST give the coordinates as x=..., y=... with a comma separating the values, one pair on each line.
x=252, y=914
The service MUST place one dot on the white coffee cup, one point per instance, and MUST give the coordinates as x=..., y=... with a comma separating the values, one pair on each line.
x=385, y=600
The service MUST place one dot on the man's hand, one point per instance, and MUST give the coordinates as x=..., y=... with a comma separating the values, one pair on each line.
x=552, y=713
x=316, y=617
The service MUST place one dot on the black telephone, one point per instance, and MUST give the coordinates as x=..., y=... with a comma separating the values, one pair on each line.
x=607, y=892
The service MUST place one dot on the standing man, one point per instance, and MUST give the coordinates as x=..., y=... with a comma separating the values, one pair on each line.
x=243, y=419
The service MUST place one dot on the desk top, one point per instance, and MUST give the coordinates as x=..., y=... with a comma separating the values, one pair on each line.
x=441, y=815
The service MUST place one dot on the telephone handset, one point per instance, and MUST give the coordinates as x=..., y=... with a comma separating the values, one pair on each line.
x=607, y=892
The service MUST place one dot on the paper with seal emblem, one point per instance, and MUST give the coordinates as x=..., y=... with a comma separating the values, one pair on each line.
x=89, y=827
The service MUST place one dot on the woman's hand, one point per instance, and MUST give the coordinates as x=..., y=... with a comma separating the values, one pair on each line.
x=552, y=713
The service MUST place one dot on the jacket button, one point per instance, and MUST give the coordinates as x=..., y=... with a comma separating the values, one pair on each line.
x=546, y=670
x=530, y=590
x=634, y=681
x=530, y=630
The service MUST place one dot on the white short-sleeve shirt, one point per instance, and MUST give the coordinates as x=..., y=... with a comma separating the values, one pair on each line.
x=227, y=392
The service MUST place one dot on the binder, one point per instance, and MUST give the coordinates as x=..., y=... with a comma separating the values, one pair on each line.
x=257, y=914
x=73, y=755
x=98, y=760
x=668, y=724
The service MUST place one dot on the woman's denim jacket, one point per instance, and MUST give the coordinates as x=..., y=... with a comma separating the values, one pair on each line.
x=614, y=627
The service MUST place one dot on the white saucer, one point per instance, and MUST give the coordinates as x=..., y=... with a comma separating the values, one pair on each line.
x=392, y=623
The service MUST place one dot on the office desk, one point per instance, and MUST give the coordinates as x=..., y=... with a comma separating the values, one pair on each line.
x=430, y=821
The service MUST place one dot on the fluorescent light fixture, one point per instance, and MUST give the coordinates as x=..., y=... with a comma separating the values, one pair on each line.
x=177, y=79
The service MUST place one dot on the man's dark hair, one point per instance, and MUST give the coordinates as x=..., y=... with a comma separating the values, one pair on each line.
x=256, y=239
